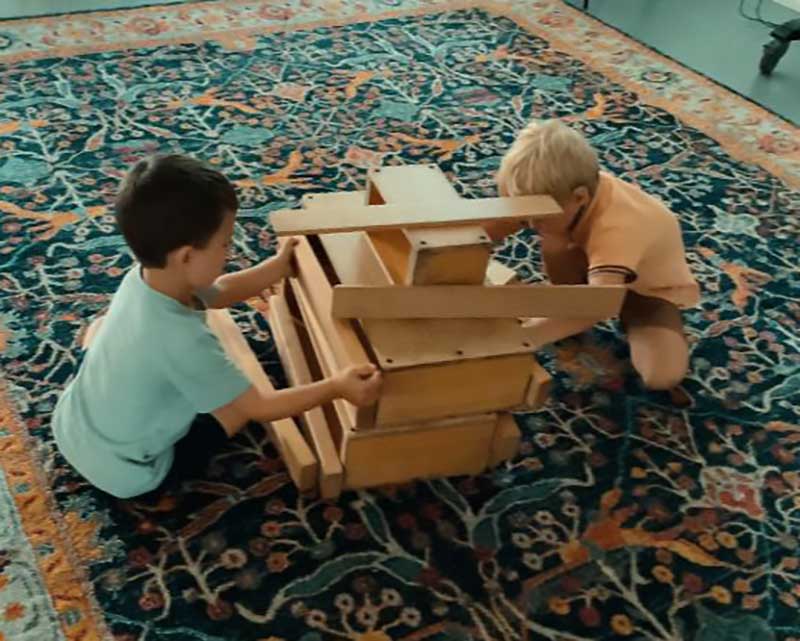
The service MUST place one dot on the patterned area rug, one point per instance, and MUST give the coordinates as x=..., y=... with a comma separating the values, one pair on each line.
x=624, y=516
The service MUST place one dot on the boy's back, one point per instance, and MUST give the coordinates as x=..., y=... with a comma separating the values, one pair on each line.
x=151, y=368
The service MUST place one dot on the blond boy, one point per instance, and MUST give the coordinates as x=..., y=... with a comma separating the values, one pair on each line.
x=610, y=233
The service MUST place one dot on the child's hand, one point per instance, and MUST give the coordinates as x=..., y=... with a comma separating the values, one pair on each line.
x=285, y=257
x=360, y=385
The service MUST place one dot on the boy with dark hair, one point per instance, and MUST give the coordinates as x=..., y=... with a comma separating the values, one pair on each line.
x=126, y=419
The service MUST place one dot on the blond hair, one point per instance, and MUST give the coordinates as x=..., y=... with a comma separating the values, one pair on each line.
x=548, y=158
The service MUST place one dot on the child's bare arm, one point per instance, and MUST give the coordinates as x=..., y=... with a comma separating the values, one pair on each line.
x=359, y=385
x=551, y=330
x=236, y=287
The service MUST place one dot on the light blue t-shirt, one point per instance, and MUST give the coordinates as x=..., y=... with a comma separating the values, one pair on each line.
x=152, y=366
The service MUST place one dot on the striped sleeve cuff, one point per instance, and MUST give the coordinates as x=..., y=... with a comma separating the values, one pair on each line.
x=629, y=275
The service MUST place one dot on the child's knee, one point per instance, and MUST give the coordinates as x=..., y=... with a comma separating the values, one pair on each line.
x=664, y=374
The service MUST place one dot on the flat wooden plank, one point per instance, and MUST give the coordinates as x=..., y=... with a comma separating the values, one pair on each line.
x=498, y=274
x=505, y=441
x=430, y=213
x=539, y=388
x=410, y=183
x=345, y=345
x=476, y=301
x=449, y=448
x=453, y=389
x=341, y=338
x=294, y=450
x=400, y=344
x=317, y=431
x=346, y=411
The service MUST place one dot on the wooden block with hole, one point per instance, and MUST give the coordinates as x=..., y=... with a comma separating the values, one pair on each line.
x=454, y=255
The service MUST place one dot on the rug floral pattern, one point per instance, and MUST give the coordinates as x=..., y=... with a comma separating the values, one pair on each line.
x=625, y=515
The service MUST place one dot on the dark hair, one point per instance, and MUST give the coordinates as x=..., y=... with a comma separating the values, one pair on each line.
x=166, y=202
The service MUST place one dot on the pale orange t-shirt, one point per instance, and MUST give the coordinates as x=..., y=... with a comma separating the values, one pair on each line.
x=626, y=231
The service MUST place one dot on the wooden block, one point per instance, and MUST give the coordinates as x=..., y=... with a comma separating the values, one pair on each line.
x=403, y=343
x=498, y=274
x=506, y=440
x=448, y=255
x=441, y=258
x=428, y=213
x=317, y=431
x=361, y=418
x=539, y=388
x=453, y=389
x=341, y=340
x=294, y=451
x=449, y=448
x=477, y=301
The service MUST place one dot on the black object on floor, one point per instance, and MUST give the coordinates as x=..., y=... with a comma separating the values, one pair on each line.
x=782, y=36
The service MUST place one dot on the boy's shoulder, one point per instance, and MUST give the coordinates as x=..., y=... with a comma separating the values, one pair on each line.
x=156, y=320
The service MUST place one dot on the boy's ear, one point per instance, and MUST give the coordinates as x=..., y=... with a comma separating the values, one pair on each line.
x=181, y=255
x=582, y=196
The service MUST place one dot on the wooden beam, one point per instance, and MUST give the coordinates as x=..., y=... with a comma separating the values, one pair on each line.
x=448, y=448
x=506, y=440
x=432, y=213
x=317, y=431
x=294, y=451
x=468, y=301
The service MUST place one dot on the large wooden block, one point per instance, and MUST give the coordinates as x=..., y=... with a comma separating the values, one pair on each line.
x=404, y=343
x=448, y=255
x=440, y=391
x=448, y=448
x=317, y=429
x=299, y=460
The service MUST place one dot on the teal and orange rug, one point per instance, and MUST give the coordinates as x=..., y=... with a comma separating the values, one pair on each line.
x=625, y=516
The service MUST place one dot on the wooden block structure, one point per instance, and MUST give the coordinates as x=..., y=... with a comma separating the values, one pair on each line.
x=401, y=275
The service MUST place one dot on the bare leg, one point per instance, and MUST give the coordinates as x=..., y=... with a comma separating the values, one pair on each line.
x=659, y=350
